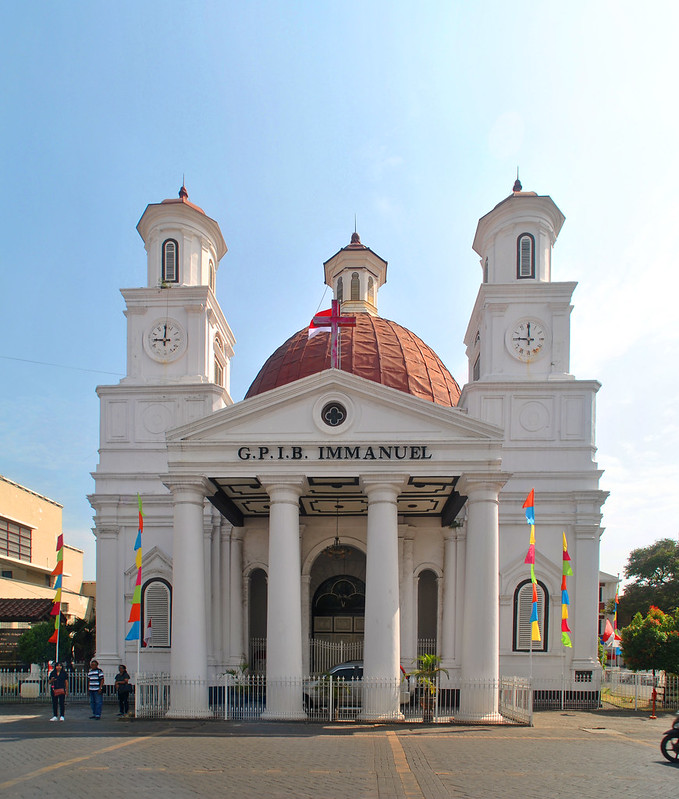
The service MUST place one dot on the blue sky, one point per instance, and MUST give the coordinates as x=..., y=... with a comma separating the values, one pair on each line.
x=289, y=118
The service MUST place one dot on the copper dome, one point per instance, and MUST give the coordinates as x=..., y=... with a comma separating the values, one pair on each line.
x=376, y=349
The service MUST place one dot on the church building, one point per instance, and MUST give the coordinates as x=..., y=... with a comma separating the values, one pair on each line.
x=357, y=496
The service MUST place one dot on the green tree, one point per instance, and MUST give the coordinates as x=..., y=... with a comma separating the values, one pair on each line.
x=652, y=642
x=34, y=646
x=655, y=573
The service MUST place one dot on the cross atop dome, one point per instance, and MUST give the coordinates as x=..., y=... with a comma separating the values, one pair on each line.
x=355, y=274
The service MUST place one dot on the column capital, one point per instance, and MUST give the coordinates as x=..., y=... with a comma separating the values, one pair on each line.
x=387, y=482
x=283, y=488
x=188, y=487
x=482, y=485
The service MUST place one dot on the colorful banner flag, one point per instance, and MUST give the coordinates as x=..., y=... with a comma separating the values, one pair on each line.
x=567, y=571
x=57, y=571
x=134, y=633
x=529, y=506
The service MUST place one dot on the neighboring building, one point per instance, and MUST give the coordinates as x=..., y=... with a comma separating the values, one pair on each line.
x=29, y=526
x=376, y=502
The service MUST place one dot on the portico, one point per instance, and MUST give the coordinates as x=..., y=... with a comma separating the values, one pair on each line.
x=388, y=489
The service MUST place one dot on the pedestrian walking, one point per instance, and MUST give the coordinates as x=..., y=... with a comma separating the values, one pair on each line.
x=95, y=685
x=122, y=687
x=58, y=683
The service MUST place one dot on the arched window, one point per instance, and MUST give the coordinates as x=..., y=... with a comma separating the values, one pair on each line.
x=340, y=290
x=427, y=611
x=219, y=373
x=156, y=605
x=170, y=261
x=523, y=606
x=371, y=290
x=485, y=270
x=355, y=287
x=211, y=276
x=525, y=256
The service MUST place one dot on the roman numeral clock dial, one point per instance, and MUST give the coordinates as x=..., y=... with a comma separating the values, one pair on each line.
x=527, y=339
x=165, y=341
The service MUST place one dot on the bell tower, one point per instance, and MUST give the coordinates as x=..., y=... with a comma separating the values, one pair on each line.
x=520, y=326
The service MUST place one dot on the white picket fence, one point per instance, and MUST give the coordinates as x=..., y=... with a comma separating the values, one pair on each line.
x=243, y=697
x=634, y=690
x=31, y=686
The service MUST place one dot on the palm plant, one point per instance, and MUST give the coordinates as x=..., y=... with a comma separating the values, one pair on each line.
x=426, y=674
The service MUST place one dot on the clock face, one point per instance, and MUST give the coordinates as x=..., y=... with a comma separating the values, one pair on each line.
x=526, y=339
x=166, y=340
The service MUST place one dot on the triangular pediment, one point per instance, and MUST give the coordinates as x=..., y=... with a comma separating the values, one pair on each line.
x=327, y=434
x=293, y=412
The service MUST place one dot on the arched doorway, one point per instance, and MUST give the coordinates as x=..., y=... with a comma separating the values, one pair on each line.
x=257, y=599
x=337, y=594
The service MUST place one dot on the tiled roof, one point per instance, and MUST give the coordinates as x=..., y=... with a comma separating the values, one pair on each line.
x=376, y=349
x=25, y=609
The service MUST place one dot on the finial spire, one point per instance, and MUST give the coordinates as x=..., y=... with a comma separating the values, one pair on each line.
x=183, y=194
x=517, y=182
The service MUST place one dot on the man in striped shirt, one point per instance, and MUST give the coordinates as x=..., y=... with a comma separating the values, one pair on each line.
x=95, y=685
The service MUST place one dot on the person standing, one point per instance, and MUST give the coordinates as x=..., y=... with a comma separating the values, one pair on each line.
x=95, y=685
x=58, y=683
x=122, y=686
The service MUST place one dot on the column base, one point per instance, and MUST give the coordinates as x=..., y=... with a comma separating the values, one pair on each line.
x=201, y=713
x=472, y=718
x=276, y=715
x=381, y=716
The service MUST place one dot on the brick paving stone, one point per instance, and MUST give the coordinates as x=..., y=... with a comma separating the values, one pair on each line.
x=569, y=755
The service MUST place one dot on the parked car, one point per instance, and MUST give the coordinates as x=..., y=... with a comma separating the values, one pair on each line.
x=346, y=682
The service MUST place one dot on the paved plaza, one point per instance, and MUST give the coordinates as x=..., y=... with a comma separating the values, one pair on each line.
x=569, y=754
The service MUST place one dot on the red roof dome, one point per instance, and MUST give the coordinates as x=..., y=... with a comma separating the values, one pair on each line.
x=375, y=349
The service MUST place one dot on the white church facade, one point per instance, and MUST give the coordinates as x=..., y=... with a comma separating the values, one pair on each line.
x=375, y=503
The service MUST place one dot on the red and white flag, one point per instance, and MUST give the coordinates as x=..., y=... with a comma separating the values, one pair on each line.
x=148, y=634
x=315, y=329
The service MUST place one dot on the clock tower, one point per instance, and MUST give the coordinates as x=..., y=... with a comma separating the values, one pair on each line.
x=518, y=350
x=179, y=348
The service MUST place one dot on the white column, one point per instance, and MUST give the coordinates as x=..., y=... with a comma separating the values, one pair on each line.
x=237, y=646
x=225, y=582
x=585, y=598
x=188, y=658
x=284, y=620
x=480, y=655
x=117, y=611
x=207, y=582
x=449, y=592
x=381, y=649
x=217, y=595
x=407, y=603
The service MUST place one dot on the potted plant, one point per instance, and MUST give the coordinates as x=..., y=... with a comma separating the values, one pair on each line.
x=426, y=674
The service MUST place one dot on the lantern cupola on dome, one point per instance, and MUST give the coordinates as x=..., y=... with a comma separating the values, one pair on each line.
x=355, y=274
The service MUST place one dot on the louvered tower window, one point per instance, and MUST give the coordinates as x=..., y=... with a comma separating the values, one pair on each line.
x=523, y=605
x=170, y=261
x=211, y=276
x=157, y=606
x=340, y=290
x=355, y=287
x=525, y=256
x=371, y=290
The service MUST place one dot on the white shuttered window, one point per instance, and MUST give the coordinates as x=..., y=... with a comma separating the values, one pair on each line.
x=158, y=608
x=523, y=605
